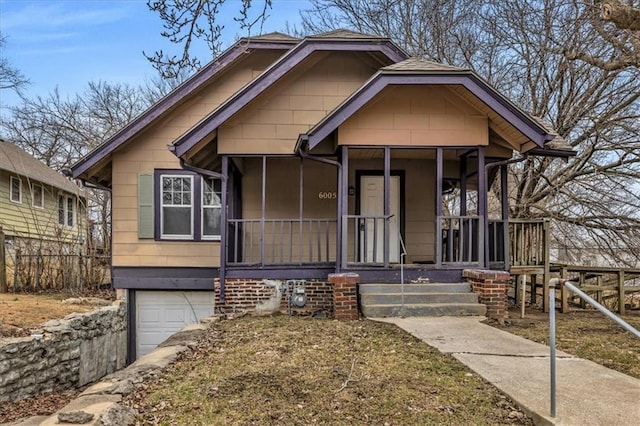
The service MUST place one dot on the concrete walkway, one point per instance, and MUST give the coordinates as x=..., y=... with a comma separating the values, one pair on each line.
x=587, y=393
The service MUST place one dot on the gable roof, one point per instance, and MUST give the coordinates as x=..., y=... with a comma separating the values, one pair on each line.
x=275, y=41
x=339, y=40
x=419, y=71
x=15, y=160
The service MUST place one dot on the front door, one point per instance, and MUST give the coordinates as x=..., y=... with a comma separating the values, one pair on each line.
x=372, y=226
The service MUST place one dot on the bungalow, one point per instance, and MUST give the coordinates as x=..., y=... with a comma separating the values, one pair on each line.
x=295, y=159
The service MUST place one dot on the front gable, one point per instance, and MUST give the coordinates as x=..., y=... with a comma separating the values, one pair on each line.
x=272, y=121
x=185, y=105
x=417, y=116
x=436, y=124
x=374, y=51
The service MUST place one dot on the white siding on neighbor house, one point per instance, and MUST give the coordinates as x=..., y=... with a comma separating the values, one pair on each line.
x=159, y=314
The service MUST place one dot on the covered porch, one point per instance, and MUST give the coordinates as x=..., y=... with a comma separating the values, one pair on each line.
x=373, y=210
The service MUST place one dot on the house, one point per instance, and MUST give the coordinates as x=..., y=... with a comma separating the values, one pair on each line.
x=39, y=207
x=293, y=159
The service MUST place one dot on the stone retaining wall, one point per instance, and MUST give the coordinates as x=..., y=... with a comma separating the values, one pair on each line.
x=74, y=351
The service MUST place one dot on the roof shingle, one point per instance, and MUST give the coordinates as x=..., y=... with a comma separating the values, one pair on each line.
x=15, y=160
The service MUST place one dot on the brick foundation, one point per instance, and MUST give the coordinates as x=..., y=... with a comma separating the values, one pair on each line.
x=247, y=293
x=345, y=296
x=491, y=287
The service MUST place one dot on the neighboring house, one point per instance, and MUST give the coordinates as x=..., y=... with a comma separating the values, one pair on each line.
x=39, y=205
x=292, y=159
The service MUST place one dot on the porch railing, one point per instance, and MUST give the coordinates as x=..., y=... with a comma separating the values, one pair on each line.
x=368, y=237
x=266, y=242
x=461, y=238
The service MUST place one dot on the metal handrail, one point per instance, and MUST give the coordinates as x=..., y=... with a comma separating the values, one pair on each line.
x=403, y=254
x=559, y=282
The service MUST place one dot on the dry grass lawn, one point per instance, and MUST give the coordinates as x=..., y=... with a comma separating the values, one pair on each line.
x=585, y=333
x=288, y=370
x=21, y=312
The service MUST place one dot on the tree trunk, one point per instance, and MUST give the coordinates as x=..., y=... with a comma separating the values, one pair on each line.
x=623, y=16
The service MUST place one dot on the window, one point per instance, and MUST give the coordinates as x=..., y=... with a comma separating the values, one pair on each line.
x=188, y=206
x=37, y=194
x=211, y=208
x=176, y=200
x=16, y=190
x=66, y=211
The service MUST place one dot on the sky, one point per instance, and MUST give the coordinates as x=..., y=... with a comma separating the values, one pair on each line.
x=68, y=43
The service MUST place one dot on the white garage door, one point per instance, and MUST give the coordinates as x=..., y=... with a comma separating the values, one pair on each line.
x=159, y=314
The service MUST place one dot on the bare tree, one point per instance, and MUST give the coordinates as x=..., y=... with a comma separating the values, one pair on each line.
x=614, y=29
x=10, y=77
x=522, y=48
x=59, y=131
x=189, y=21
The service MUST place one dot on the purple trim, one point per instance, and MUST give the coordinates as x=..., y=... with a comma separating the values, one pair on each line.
x=547, y=152
x=504, y=199
x=172, y=99
x=386, y=183
x=463, y=185
x=281, y=67
x=470, y=81
x=223, y=227
x=131, y=327
x=164, y=278
x=439, y=177
x=381, y=275
x=342, y=240
x=309, y=273
x=482, y=207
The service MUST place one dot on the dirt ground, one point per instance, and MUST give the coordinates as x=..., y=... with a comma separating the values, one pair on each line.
x=22, y=312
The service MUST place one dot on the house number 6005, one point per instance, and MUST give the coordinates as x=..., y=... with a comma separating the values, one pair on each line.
x=327, y=195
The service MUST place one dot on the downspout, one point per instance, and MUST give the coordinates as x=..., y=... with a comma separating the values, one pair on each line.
x=299, y=149
x=487, y=167
x=223, y=239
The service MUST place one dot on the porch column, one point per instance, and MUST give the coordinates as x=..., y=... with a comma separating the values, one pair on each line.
x=343, y=206
x=483, y=245
x=463, y=184
x=224, y=226
x=439, y=174
x=387, y=204
x=264, y=204
x=504, y=198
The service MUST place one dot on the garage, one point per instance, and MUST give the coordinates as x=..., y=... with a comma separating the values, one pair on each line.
x=159, y=314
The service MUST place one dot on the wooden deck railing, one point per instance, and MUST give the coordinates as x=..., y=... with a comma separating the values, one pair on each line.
x=267, y=242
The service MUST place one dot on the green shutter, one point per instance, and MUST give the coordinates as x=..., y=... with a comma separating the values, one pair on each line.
x=145, y=206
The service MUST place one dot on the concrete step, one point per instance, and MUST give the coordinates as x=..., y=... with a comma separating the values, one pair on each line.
x=416, y=298
x=415, y=288
x=423, y=310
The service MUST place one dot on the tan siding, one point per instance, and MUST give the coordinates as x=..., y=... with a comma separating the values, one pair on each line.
x=416, y=115
x=149, y=151
x=283, y=202
x=26, y=220
x=272, y=122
